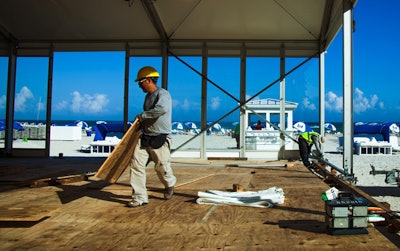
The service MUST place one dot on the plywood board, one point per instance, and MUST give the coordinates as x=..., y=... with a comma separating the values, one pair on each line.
x=95, y=218
x=118, y=160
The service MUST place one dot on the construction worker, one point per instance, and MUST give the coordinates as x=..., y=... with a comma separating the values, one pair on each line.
x=153, y=144
x=306, y=140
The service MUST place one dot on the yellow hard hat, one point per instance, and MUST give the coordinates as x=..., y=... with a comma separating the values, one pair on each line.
x=147, y=72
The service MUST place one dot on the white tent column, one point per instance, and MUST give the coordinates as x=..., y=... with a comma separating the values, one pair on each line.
x=322, y=94
x=282, y=99
x=348, y=86
x=242, y=114
x=203, y=146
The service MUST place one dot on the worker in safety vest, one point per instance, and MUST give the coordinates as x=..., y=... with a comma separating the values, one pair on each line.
x=306, y=141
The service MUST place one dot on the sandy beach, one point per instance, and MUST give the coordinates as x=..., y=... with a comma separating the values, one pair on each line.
x=373, y=185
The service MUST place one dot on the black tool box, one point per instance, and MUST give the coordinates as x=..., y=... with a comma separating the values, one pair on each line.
x=347, y=214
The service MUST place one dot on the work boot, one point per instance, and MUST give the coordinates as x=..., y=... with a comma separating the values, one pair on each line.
x=168, y=192
x=135, y=203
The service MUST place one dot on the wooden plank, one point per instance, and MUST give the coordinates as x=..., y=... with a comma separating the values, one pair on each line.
x=118, y=160
x=27, y=213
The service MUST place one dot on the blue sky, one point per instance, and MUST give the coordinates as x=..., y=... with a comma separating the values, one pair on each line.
x=89, y=86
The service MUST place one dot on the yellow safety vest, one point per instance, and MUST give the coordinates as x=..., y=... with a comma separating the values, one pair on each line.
x=308, y=136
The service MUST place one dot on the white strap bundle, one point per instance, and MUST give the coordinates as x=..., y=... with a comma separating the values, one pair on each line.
x=262, y=198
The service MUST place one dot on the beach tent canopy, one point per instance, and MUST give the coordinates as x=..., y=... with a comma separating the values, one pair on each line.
x=384, y=129
x=147, y=27
x=102, y=129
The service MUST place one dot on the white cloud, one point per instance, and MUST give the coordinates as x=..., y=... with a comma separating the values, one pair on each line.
x=88, y=103
x=185, y=105
x=62, y=105
x=333, y=102
x=362, y=103
x=21, y=98
x=175, y=103
x=308, y=105
x=215, y=103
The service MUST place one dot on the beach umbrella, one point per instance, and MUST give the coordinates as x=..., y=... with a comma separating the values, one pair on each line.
x=330, y=127
x=16, y=125
x=177, y=126
x=394, y=128
x=302, y=127
x=191, y=125
x=217, y=127
x=81, y=124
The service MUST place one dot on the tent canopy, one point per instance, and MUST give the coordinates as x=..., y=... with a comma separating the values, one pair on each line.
x=374, y=128
x=185, y=27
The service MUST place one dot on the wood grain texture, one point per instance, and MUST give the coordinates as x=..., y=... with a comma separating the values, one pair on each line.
x=118, y=160
x=92, y=214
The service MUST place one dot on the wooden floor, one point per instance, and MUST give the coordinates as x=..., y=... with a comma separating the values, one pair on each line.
x=91, y=214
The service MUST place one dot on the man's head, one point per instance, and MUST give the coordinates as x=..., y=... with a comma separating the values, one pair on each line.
x=147, y=78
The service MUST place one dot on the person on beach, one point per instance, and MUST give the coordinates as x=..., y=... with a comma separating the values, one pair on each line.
x=259, y=126
x=154, y=143
x=306, y=140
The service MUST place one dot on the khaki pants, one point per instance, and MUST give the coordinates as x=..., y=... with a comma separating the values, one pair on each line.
x=140, y=158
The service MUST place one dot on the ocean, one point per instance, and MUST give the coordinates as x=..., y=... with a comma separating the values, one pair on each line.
x=228, y=125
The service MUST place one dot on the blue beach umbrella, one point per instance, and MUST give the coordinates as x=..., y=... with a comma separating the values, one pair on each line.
x=16, y=125
x=191, y=125
x=330, y=127
x=394, y=128
x=81, y=124
x=302, y=127
x=177, y=126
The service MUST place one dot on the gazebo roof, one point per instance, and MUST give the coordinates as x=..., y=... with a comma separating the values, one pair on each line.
x=269, y=103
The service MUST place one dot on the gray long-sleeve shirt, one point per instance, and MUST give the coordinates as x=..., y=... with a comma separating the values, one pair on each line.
x=157, y=113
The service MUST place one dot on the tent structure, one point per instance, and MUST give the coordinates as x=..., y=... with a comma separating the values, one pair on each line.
x=101, y=129
x=175, y=28
x=148, y=27
x=384, y=129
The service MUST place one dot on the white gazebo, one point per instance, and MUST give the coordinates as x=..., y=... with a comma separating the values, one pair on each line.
x=268, y=111
x=268, y=108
